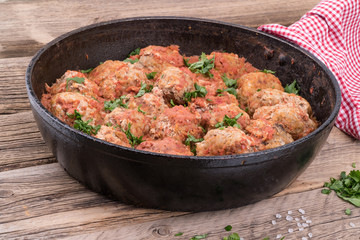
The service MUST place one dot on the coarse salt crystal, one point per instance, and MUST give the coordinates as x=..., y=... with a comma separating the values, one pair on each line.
x=289, y=218
x=352, y=224
x=278, y=215
x=303, y=218
x=310, y=235
x=289, y=212
x=304, y=238
x=308, y=221
x=278, y=236
x=290, y=230
x=297, y=219
x=305, y=225
x=299, y=224
x=301, y=229
x=301, y=211
x=273, y=222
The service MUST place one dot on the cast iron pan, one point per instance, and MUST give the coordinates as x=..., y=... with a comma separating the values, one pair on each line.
x=180, y=182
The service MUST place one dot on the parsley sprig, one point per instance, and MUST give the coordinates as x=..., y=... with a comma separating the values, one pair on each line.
x=233, y=236
x=112, y=104
x=347, y=187
x=144, y=89
x=135, y=52
x=79, y=80
x=151, y=75
x=133, y=140
x=200, y=91
x=229, y=122
x=87, y=70
x=202, y=66
x=292, y=88
x=190, y=141
x=197, y=237
x=268, y=71
x=132, y=61
x=230, y=83
x=82, y=125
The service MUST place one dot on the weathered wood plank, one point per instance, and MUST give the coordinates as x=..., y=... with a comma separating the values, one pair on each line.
x=28, y=25
x=44, y=202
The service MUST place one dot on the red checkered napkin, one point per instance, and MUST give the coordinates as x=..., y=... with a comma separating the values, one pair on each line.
x=331, y=31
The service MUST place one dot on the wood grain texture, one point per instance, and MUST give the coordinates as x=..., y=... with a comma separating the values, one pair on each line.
x=34, y=23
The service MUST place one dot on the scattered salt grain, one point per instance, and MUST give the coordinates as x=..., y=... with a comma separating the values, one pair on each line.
x=278, y=236
x=290, y=230
x=289, y=212
x=308, y=221
x=303, y=218
x=301, y=229
x=289, y=218
x=299, y=224
x=273, y=222
x=297, y=219
x=304, y=238
x=278, y=215
x=352, y=224
x=310, y=235
x=302, y=211
x=305, y=225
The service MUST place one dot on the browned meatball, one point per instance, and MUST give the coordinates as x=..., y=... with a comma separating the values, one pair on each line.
x=126, y=79
x=167, y=145
x=252, y=82
x=271, y=134
x=122, y=117
x=105, y=70
x=175, y=83
x=64, y=104
x=294, y=120
x=150, y=104
x=270, y=97
x=113, y=135
x=74, y=81
x=226, y=141
x=176, y=122
x=157, y=58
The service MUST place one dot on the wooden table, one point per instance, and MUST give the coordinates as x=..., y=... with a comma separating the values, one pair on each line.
x=39, y=200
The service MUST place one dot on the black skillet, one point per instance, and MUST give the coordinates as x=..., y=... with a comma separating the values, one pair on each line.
x=180, y=182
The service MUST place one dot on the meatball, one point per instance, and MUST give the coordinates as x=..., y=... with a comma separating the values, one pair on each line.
x=252, y=82
x=226, y=141
x=74, y=81
x=176, y=122
x=105, y=70
x=150, y=104
x=167, y=145
x=113, y=135
x=124, y=118
x=212, y=84
x=270, y=97
x=127, y=79
x=175, y=83
x=157, y=58
x=64, y=104
x=293, y=119
x=271, y=134
x=218, y=113
x=231, y=65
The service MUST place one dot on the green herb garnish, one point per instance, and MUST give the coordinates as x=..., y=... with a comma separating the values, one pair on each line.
x=199, y=237
x=229, y=90
x=230, y=83
x=135, y=52
x=267, y=71
x=347, y=187
x=348, y=211
x=199, y=92
x=353, y=165
x=132, y=139
x=233, y=236
x=172, y=103
x=139, y=110
x=325, y=191
x=87, y=70
x=75, y=79
x=178, y=234
x=151, y=75
x=82, y=125
x=144, y=89
x=292, y=88
x=132, y=61
x=112, y=104
x=190, y=141
x=228, y=228
x=229, y=122
x=203, y=66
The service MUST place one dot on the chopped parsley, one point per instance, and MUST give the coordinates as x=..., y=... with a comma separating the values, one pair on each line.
x=132, y=61
x=348, y=211
x=267, y=71
x=144, y=89
x=135, y=52
x=199, y=92
x=190, y=141
x=233, y=236
x=199, y=237
x=112, y=104
x=229, y=90
x=178, y=234
x=132, y=139
x=292, y=88
x=151, y=75
x=82, y=125
x=229, y=122
x=172, y=103
x=139, y=110
x=228, y=228
x=353, y=165
x=347, y=187
x=203, y=66
x=87, y=70
x=78, y=80
x=230, y=83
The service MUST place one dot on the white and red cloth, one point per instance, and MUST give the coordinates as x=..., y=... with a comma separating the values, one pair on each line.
x=331, y=31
